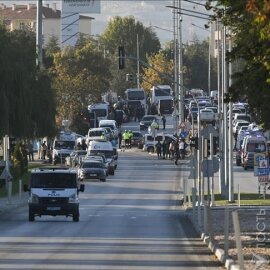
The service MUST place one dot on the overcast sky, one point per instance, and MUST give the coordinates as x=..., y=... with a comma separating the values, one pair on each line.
x=149, y=12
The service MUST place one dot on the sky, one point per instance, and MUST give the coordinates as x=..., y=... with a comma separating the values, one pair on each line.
x=150, y=12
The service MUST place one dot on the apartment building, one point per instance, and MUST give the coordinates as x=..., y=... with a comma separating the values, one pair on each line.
x=24, y=17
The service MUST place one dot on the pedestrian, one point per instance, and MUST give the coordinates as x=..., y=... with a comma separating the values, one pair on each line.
x=163, y=121
x=30, y=151
x=126, y=138
x=130, y=137
x=164, y=149
x=171, y=149
x=182, y=149
x=120, y=137
x=84, y=145
x=44, y=150
x=177, y=152
x=158, y=149
x=79, y=146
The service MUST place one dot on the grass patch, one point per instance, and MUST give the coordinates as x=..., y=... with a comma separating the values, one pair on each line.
x=246, y=199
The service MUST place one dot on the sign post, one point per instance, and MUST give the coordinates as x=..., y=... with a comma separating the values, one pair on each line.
x=262, y=173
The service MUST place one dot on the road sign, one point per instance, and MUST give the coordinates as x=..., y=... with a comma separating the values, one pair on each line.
x=257, y=158
x=263, y=171
x=263, y=163
x=182, y=125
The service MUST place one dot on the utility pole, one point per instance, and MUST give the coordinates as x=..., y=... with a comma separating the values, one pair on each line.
x=176, y=88
x=138, y=63
x=39, y=60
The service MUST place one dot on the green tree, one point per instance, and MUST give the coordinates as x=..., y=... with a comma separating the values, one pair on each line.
x=80, y=75
x=249, y=22
x=124, y=32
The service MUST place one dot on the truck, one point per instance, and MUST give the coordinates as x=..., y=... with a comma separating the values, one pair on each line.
x=165, y=106
x=53, y=191
x=101, y=110
x=160, y=92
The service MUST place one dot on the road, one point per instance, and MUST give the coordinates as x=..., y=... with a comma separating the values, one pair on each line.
x=132, y=221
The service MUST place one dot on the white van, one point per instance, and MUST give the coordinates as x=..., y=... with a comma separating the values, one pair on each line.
x=100, y=109
x=53, y=191
x=106, y=148
x=111, y=124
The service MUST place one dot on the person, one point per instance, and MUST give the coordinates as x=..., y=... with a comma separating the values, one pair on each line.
x=158, y=149
x=102, y=136
x=171, y=149
x=130, y=136
x=120, y=137
x=164, y=149
x=235, y=139
x=182, y=149
x=30, y=151
x=177, y=152
x=126, y=138
x=79, y=146
x=84, y=145
x=44, y=150
x=163, y=121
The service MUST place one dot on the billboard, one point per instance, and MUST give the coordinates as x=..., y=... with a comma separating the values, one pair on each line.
x=80, y=6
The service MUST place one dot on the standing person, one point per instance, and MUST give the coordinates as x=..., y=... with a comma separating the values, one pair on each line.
x=130, y=136
x=126, y=138
x=177, y=152
x=182, y=149
x=44, y=150
x=164, y=149
x=30, y=151
x=171, y=149
x=84, y=145
x=120, y=137
x=158, y=149
x=163, y=121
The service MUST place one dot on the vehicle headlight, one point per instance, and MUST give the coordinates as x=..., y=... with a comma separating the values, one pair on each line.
x=73, y=198
x=33, y=199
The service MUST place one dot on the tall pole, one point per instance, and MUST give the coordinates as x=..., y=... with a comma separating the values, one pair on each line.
x=138, y=63
x=209, y=62
x=231, y=180
x=175, y=66
x=39, y=34
x=180, y=55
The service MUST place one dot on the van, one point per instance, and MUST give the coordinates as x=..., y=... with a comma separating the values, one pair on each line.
x=111, y=124
x=53, y=191
x=101, y=110
x=150, y=142
x=255, y=143
x=106, y=148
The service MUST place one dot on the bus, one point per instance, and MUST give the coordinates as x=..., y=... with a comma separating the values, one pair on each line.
x=136, y=97
x=160, y=92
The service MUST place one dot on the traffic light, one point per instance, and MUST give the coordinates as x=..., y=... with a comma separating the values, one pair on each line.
x=121, y=57
x=129, y=77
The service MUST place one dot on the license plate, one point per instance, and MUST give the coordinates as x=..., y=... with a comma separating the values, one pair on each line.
x=53, y=208
x=93, y=174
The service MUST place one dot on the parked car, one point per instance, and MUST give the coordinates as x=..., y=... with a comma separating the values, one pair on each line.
x=92, y=169
x=147, y=120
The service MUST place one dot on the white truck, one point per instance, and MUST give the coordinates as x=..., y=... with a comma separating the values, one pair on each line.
x=101, y=110
x=53, y=191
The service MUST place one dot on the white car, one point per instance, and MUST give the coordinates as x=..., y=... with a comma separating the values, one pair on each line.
x=239, y=124
x=207, y=115
x=96, y=134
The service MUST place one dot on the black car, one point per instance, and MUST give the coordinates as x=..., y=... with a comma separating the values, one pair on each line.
x=147, y=120
x=92, y=169
x=137, y=139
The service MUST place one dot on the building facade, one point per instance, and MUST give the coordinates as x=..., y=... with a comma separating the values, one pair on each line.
x=24, y=17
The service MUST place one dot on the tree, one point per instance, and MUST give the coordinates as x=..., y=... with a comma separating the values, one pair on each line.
x=124, y=32
x=159, y=72
x=249, y=24
x=80, y=75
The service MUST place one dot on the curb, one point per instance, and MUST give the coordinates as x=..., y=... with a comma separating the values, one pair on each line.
x=229, y=263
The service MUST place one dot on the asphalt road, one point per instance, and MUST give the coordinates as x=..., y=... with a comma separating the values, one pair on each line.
x=132, y=221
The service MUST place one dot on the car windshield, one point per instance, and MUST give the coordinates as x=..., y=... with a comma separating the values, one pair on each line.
x=95, y=133
x=64, y=144
x=99, y=112
x=148, y=118
x=86, y=165
x=106, y=153
x=108, y=126
x=53, y=180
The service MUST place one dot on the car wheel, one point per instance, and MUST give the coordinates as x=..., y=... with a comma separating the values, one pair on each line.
x=31, y=216
x=103, y=179
x=150, y=149
x=75, y=217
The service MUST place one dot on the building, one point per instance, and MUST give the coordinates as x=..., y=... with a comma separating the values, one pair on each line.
x=24, y=17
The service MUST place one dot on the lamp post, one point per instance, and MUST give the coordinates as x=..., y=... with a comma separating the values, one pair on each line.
x=39, y=60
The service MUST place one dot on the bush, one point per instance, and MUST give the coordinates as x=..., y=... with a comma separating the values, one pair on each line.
x=20, y=161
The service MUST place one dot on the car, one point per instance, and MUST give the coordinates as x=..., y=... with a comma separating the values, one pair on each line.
x=149, y=142
x=75, y=157
x=92, y=169
x=137, y=139
x=207, y=115
x=193, y=113
x=101, y=158
x=239, y=124
x=97, y=133
x=147, y=120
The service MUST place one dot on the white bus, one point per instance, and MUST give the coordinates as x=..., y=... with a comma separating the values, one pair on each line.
x=135, y=97
x=160, y=92
x=100, y=109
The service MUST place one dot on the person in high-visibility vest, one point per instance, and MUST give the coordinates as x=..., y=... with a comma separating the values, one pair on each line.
x=130, y=133
x=126, y=138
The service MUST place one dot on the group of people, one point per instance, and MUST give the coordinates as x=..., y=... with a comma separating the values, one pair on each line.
x=125, y=139
x=173, y=150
